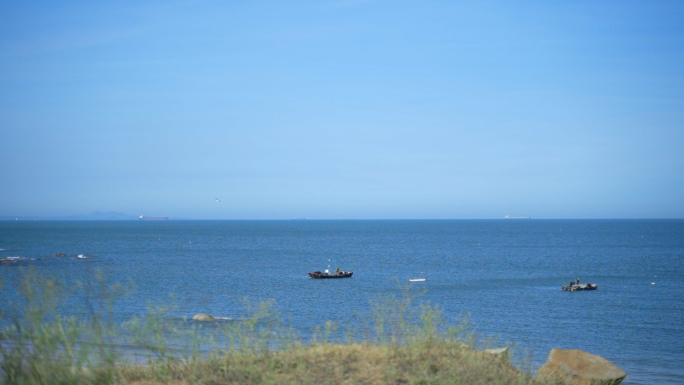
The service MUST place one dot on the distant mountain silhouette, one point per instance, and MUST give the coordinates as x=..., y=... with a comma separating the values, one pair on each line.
x=100, y=216
x=96, y=216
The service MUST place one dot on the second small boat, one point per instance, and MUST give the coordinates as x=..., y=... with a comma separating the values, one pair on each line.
x=326, y=274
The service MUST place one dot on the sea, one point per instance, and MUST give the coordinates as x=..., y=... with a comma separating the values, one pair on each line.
x=504, y=276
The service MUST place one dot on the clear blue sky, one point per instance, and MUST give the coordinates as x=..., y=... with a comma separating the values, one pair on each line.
x=342, y=109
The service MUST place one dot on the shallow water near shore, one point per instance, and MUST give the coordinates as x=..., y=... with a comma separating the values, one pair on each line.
x=506, y=274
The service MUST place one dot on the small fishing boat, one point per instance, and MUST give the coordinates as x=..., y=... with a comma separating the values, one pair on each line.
x=577, y=286
x=326, y=274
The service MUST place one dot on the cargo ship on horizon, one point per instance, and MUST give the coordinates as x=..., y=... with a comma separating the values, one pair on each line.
x=143, y=218
x=507, y=217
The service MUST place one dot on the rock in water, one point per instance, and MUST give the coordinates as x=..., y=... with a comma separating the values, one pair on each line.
x=580, y=368
x=502, y=353
x=203, y=317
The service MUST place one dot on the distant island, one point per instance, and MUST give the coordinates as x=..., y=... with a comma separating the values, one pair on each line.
x=144, y=218
x=96, y=216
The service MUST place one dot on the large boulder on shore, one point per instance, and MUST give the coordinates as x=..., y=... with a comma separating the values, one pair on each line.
x=578, y=367
x=203, y=317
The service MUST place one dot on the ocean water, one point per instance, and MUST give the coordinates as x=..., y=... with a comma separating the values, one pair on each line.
x=505, y=274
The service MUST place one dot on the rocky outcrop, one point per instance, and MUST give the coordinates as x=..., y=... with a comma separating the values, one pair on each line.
x=203, y=317
x=60, y=255
x=580, y=368
x=501, y=353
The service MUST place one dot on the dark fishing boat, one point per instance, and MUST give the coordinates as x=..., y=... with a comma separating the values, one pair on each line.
x=338, y=274
x=577, y=286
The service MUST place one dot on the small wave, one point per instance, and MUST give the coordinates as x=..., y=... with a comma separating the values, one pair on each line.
x=223, y=318
x=14, y=260
x=18, y=258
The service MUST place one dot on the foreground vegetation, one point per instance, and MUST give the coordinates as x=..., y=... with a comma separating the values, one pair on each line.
x=406, y=343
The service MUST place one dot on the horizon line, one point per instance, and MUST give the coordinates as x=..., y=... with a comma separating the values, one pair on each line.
x=135, y=219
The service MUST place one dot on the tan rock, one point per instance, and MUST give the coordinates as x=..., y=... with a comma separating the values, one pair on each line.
x=203, y=317
x=580, y=368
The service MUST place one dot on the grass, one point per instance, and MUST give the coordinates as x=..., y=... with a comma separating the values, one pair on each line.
x=440, y=362
x=405, y=342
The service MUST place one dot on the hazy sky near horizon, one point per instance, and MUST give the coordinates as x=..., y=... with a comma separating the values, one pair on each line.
x=342, y=109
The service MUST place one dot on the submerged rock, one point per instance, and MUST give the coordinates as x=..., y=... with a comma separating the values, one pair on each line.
x=580, y=368
x=60, y=255
x=203, y=317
